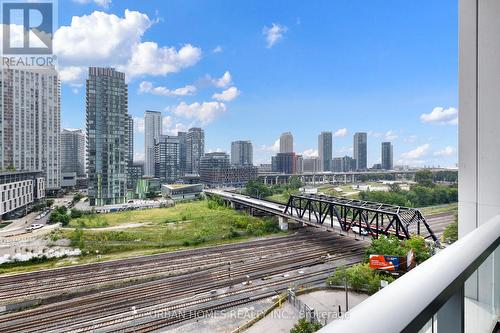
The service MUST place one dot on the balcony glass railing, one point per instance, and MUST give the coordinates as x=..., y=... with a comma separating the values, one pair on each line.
x=457, y=290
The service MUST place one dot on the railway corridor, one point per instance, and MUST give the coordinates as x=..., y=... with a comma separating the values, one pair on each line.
x=148, y=294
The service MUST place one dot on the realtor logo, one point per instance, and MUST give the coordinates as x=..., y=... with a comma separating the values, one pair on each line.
x=27, y=27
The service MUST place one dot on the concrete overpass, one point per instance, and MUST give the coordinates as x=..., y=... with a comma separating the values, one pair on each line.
x=273, y=178
x=286, y=221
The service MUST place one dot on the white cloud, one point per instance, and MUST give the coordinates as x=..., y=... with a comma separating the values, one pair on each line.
x=166, y=122
x=310, y=153
x=222, y=82
x=344, y=150
x=204, y=112
x=138, y=124
x=274, y=148
x=340, y=132
x=413, y=163
x=147, y=87
x=274, y=34
x=150, y=59
x=102, y=39
x=446, y=151
x=227, y=95
x=101, y=3
x=441, y=116
x=416, y=153
x=217, y=49
x=375, y=134
x=410, y=139
x=138, y=156
x=390, y=135
x=173, y=129
x=73, y=74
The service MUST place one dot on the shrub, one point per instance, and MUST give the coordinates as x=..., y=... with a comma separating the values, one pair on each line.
x=392, y=246
x=450, y=233
x=60, y=215
x=360, y=278
x=419, y=247
x=76, y=213
x=303, y=326
x=77, y=197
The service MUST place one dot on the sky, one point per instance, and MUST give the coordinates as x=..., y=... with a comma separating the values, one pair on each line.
x=250, y=70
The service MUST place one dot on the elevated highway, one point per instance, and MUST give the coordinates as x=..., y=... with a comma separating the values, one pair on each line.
x=272, y=178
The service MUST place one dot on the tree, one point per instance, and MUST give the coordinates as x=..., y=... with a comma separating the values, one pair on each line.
x=254, y=188
x=389, y=246
x=295, y=183
x=77, y=197
x=441, y=195
x=60, y=215
x=421, y=196
x=419, y=247
x=394, y=187
x=424, y=177
x=49, y=202
x=76, y=213
x=360, y=277
x=303, y=326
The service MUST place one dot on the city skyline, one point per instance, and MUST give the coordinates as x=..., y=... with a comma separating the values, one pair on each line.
x=413, y=88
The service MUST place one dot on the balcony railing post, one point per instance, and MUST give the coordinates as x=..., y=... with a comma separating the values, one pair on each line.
x=450, y=317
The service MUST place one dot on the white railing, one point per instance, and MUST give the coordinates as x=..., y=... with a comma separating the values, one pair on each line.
x=414, y=299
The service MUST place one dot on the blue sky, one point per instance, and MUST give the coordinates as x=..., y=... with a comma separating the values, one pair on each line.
x=385, y=67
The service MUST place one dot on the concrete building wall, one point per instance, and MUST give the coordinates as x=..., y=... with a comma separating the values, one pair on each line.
x=479, y=155
x=195, y=141
x=30, y=131
x=241, y=153
x=73, y=151
x=286, y=143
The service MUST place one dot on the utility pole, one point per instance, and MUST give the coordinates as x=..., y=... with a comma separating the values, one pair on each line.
x=346, y=296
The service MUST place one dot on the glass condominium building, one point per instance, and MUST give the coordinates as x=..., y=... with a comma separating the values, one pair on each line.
x=360, y=150
x=108, y=139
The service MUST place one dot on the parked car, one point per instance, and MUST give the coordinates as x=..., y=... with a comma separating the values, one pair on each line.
x=34, y=227
x=360, y=231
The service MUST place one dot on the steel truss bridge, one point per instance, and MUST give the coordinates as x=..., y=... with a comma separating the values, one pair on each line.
x=376, y=218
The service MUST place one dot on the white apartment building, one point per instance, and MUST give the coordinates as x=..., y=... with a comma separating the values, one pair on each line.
x=20, y=189
x=30, y=122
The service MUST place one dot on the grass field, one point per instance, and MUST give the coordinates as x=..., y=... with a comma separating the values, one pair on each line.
x=282, y=198
x=159, y=230
x=448, y=208
x=4, y=224
x=184, y=225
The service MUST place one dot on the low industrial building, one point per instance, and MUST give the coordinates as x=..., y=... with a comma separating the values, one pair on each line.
x=179, y=192
x=18, y=191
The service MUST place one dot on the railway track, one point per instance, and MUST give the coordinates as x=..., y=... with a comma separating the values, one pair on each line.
x=306, y=249
x=94, y=277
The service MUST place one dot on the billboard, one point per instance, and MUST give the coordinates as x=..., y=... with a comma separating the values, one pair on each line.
x=387, y=263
